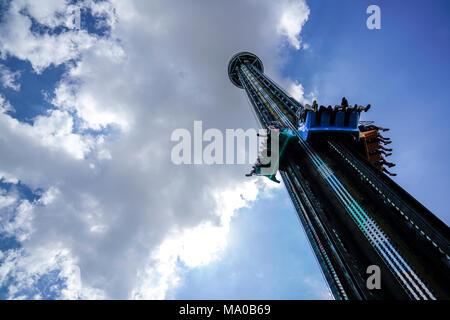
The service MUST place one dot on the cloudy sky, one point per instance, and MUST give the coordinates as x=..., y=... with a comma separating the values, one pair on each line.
x=91, y=205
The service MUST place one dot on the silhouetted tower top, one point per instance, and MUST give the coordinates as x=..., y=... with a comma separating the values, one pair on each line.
x=235, y=62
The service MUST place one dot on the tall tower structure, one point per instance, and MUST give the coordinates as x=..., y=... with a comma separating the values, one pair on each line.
x=357, y=219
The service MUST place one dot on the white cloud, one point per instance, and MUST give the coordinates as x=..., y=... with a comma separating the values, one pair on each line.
x=21, y=225
x=117, y=215
x=297, y=91
x=196, y=246
x=9, y=79
x=96, y=112
x=5, y=106
x=27, y=269
x=6, y=200
x=294, y=15
x=53, y=131
x=42, y=50
x=7, y=178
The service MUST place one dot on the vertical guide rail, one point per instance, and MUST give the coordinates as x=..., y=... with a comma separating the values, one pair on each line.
x=426, y=230
x=382, y=245
x=313, y=232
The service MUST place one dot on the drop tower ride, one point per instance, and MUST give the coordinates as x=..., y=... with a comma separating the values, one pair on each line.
x=353, y=214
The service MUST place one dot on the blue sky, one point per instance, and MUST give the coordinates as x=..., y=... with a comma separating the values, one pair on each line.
x=268, y=257
x=87, y=194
